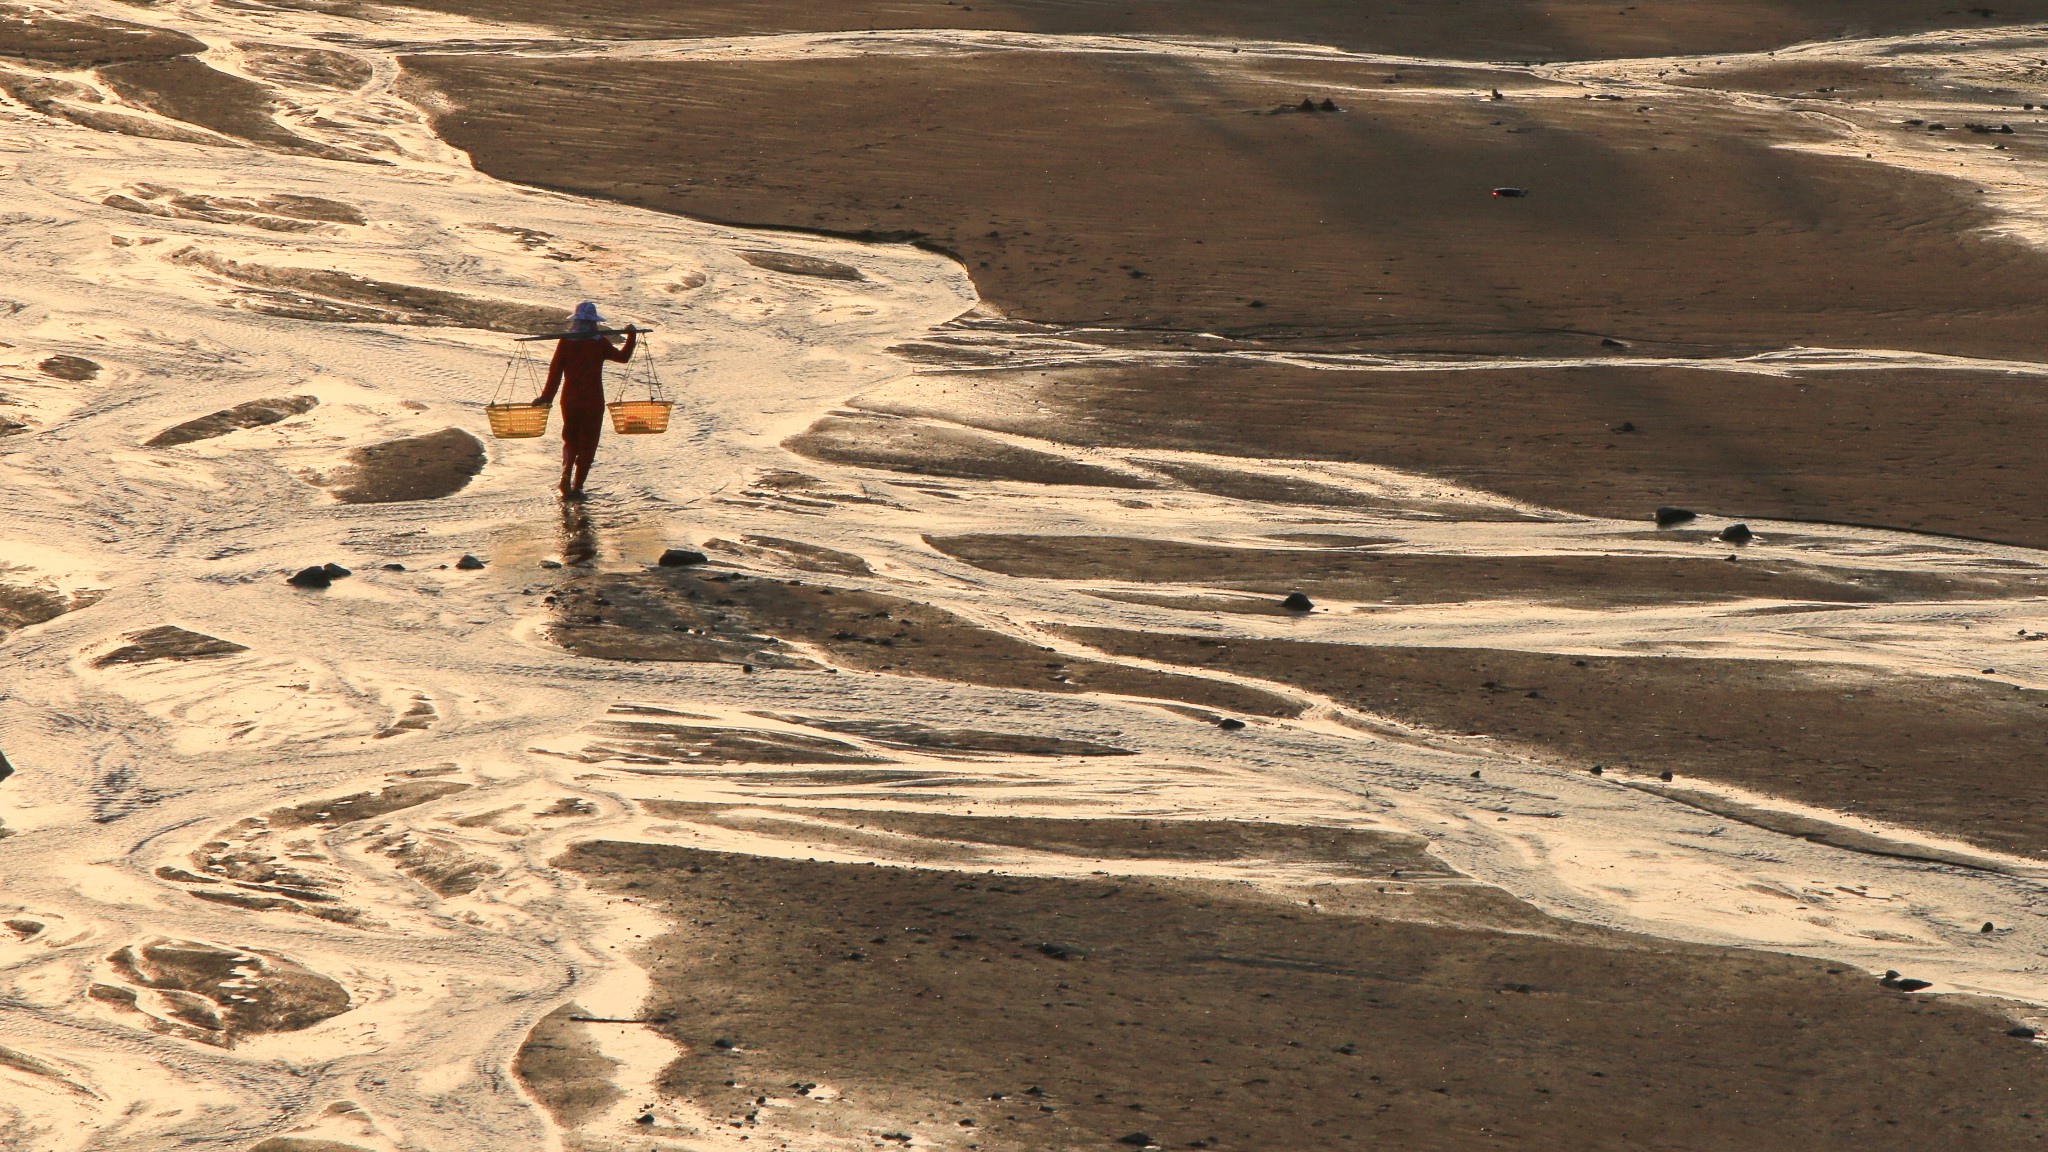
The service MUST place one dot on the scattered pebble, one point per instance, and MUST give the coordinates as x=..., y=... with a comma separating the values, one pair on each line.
x=1297, y=602
x=469, y=563
x=1597, y=770
x=335, y=571
x=314, y=577
x=2022, y=1032
x=394, y=567
x=1900, y=983
x=682, y=558
x=1230, y=724
x=1737, y=534
x=551, y=564
x=1510, y=193
x=1987, y=928
x=1666, y=517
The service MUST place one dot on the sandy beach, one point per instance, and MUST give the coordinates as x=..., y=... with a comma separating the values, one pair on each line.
x=1220, y=576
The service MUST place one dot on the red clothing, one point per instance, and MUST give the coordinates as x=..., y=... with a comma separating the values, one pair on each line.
x=581, y=428
x=578, y=370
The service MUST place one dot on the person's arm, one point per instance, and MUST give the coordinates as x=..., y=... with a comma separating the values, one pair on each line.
x=621, y=355
x=554, y=376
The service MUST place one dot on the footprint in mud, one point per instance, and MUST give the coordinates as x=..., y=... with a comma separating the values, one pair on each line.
x=217, y=995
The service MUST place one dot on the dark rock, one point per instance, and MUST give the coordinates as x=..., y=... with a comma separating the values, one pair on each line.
x=315, y=577
x=1737, y=534
x=1060, y=952
x=1346, y=1049
x=644, y=1118
x=1988, y=927
x=1511, y=193
x=335, y=571
x=1297, y=602
x=683, y=558
x=6, y=769
x=1307, y=105
x=1521, y=989
x=1475, y=775
x=1137, y=1140
x=1624, y=426
x=1991, y=671
x=1597, y=770
x=1256, y=304
x=551, y=564
x=1329, y=105
x=469, y=563
x=1666, y=517
x=1664, y=775
x=1900, y=983
x=394, y=567
x=2022, y=1032
x=1496, y=95
x=1611, y=342
x=1230, y=724
x=251, y=414
x=723, y=1044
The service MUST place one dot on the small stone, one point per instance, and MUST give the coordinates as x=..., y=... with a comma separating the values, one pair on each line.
x=1297, y=602
x=1475, y=775
x=1737, y=534
x=551, y=564
x=682, y=558
x=1346, y=1049
x=1329, y=105
x=469, y=563
x=394, y=567
x=1307, y=105
x=1624, y=426
x=1664, y=775
x=644, y=1118
x=1137, y=1140
x=2022, y=1032
x=314, y=577
x=1597, y=770
x=723, y=1044
x=1611, y=342
x=1988, y=928
x=1230, y=724
x=1991, y=671
x=1666, y=517
x=1510, y=193
x=1900, y=983
x=335, y=571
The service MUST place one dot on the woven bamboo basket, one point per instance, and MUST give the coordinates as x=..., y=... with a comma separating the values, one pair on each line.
x=640, y=417
x=517, y=421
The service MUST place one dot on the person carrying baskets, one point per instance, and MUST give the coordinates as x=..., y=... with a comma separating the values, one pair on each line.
x=577, y=371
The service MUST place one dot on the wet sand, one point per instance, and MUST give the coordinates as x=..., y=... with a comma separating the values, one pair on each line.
x=1459, y=29
x=1060, y=181
x=946, y=1008
x=1952, y=755
x=1947, y=452
x=1387, y=576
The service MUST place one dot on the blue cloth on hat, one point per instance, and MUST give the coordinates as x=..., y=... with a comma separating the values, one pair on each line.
x=585, y=316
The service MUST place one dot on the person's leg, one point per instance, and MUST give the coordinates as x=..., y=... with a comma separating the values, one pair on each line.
x=587, y=450
x=568, y=453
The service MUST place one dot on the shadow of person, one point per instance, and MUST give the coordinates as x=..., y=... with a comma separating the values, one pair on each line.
x=579, y=538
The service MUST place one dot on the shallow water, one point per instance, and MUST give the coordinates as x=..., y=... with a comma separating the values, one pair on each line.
x=129, y=768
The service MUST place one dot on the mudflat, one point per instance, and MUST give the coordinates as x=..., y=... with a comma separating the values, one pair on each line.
x=1033, y=1013
x=1954, y=755
x=1185, y=196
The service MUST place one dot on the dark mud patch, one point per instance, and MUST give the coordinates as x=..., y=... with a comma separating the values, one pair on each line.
x=22, y=605
x=1459, y=29
x=437, y=862
x=628, y=738
x=1950, y=755
x=282, y=212
x=1372, y=228
x=220, y=995
x=1072, y=1013
x=184, y=88
x=927, y=450
x=1951, y=452
x=564, y=1068
x=307, y=67
x=792, y=264
x=913, y=736
x=795, y=554
x=71, y=43
x=362, y=805
x=425, y=467
x=73, y=368
x=168, y=642
x=79, y=104
x=675, y=614
x=343, y=297
x=1237, y=484
x=1380, y=576
x=248, y=414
